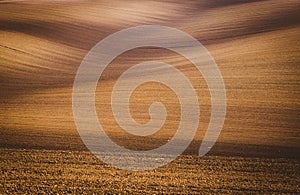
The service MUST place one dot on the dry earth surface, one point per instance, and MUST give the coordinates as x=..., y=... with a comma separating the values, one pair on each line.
x=255, y=44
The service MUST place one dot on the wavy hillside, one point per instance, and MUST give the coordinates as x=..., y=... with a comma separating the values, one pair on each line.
x=255, y=44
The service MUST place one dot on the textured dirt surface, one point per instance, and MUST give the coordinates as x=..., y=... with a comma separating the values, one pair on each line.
x=65, y=172
x=254, y=43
